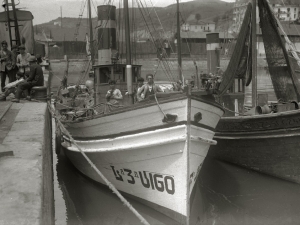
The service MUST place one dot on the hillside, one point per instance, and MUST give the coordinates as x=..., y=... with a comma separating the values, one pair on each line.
x=208, y=9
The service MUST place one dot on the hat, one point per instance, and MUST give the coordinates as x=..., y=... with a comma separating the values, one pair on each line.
x=111, y=82
x=32, y=59
x=149, y=75
x=22, y=47
x=14, y=47
x=140, y=79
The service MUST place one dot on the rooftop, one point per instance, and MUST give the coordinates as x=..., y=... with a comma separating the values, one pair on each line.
x=202, y=35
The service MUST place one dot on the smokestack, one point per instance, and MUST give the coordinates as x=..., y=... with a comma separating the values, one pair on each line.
x=106, y=30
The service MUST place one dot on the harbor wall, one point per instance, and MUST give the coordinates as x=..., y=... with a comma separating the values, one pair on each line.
x=27, y=176
x=47, y=173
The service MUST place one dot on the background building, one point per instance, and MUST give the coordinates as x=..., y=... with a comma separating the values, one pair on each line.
x=284, y=10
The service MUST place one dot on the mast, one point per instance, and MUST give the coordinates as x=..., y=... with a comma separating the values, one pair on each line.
x=8, y=21
x=127, y=33
x=91, y=32
x=15, y=20
x=16, y=23
x=254, y=55
x=179, y=43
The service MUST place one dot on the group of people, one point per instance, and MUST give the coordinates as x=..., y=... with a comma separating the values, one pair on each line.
x=141, y=92
x=23, y=72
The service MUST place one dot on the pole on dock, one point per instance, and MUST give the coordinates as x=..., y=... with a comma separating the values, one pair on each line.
x=213, y=52
x=254, y=56
x=179, y=44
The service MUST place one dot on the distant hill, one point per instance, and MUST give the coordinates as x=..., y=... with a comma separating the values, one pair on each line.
x=160, y=18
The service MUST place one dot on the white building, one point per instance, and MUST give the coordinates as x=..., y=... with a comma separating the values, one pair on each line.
x=283, y=11
x=57, y=23
x=286, y=13
x=199, y=26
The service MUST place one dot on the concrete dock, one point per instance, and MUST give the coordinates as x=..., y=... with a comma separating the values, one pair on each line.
x=26, y=184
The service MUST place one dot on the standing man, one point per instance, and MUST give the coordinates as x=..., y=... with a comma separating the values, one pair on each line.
x=5, y=55
x=22, y=60
x=11, y=64
x=150, y=88
x=36, y=78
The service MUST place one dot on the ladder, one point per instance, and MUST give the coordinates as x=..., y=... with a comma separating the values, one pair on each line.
x=12, y=22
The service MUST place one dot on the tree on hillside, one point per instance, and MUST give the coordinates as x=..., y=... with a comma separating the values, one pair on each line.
x=198, y=17
x=216, y=19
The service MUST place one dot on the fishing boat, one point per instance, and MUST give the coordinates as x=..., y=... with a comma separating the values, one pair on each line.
x=268, y=143
x=152, y=150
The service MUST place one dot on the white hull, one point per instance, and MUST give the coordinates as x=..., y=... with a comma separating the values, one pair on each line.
x=151, y=164
x=144, y=117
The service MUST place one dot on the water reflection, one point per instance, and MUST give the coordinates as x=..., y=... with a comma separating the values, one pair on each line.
x=223, y=194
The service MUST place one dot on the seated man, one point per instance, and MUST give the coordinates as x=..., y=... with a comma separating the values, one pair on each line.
x=150, y=88
x=113, y=93
x=36, y=78
x=11, y=87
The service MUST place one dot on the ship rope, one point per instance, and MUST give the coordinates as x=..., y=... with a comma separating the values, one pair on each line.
x=141, y=8
x=169, y=63
x=108, y=183
x=166, y=65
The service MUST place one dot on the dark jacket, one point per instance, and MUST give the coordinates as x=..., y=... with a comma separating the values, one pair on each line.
x=36, y=77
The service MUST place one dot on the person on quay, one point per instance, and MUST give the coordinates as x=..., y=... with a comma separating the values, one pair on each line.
x=36, y=78
x=113, y=92
x=22, y=60
x=12, y=64
x=5, y=59
x=11, y=88
x=150, y=88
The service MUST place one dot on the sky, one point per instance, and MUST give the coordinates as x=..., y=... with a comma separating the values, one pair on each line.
x=47, y=10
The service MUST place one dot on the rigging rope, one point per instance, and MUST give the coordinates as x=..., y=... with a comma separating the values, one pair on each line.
x=169, y=76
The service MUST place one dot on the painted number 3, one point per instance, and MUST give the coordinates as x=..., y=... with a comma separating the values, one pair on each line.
x=119, y=176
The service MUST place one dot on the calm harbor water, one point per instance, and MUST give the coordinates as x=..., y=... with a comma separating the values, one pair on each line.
x=223, y=194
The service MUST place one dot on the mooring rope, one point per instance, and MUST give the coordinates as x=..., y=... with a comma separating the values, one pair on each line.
x=109, y=184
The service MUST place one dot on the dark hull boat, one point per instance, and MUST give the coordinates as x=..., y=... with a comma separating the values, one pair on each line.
x=267, y=143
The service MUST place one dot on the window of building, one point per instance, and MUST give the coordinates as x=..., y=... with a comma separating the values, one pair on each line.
x=295, y=16
x=288, y=9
